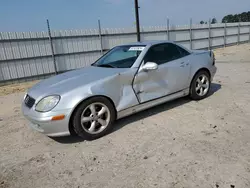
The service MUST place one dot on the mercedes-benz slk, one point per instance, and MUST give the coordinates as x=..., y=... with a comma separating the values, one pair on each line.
x=127, y=79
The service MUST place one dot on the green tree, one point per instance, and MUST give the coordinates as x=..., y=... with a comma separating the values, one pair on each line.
x=243, y=17
x=213, y=21
x=202, y=22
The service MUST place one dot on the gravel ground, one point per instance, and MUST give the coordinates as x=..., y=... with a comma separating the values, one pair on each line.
x=178, y=144
x=16, y=88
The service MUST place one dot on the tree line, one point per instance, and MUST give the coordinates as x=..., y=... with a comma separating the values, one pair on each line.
x=243, y=17
x=231, y=18
x=212, y=22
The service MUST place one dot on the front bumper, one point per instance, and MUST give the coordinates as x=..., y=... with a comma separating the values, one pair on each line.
x=42, y=122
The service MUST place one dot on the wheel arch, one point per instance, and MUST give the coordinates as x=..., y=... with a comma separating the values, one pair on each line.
x=201, y=69
x=70, y=124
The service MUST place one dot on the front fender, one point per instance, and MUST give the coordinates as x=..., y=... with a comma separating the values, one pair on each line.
x=118, y=88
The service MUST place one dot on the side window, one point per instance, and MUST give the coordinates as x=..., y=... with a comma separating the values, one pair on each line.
x=183, y=51
x=172, y=52
x=162, y=53
x=156, y=54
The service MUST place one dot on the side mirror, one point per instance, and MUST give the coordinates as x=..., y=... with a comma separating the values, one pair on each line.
x=150, y=66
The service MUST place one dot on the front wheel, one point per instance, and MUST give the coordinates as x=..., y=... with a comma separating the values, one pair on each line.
x=200, y=85
x=94, y=118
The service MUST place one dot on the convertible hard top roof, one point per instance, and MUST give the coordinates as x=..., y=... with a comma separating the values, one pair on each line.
x=153, y=42
x=146, y=43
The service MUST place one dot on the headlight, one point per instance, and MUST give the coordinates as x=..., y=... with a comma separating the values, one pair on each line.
x=47, y=103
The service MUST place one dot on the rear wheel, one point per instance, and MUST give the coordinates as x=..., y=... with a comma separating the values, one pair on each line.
x=200, y=85
x=94, y=118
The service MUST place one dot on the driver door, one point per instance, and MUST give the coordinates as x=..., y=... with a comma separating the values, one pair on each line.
x=171, y=75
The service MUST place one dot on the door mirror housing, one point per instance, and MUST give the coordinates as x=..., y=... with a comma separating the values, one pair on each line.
x=149, y=66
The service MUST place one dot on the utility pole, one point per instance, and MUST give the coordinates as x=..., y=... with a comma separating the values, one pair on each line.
x=137, y=21
x=52, y=48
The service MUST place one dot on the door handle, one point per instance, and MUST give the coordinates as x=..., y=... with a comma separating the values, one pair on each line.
x=183, y=64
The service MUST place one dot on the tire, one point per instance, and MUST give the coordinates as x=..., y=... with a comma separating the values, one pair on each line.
x=204, y=87
x=94, y=118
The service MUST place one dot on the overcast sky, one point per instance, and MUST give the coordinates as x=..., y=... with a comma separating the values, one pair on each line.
x=31, y=15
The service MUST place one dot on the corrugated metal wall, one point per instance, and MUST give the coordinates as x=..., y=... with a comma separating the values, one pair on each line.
x=28, y=55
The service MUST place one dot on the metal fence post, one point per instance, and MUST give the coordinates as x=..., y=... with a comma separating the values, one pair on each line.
x=225, y=34
x=238, y=40
x=168, y=29
x=209, y=34
x=249, y=33
x=2, y=76
x=52, y=49
x=12, y=53
x=191, y=35
x=5, y=57
x=100, y=36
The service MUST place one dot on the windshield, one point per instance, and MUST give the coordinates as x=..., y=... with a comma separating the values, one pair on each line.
x=120, y=57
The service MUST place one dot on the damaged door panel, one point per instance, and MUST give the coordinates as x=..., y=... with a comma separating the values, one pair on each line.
x=169, y=77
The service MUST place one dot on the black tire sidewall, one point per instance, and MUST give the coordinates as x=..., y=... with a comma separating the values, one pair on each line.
x=77, y=118
x=193, y=93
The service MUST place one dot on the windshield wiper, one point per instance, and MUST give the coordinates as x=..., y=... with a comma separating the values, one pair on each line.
x=106, y=65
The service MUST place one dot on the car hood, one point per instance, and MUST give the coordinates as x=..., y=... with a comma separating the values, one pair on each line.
x=65, y=82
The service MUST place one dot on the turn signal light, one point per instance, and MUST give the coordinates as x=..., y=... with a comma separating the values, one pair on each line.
x=59, y=117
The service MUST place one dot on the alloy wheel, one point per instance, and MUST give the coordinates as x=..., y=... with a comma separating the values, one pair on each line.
x=202, y=85
x=95, y=118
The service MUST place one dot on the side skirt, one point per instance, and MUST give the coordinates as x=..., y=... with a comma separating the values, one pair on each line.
x=155, y=102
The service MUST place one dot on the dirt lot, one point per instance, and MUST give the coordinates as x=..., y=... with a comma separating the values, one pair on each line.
x=179, y=144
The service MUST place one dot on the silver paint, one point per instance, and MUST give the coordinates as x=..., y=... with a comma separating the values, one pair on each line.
x=130, y=89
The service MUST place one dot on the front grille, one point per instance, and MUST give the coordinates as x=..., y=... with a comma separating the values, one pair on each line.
x=29, y=101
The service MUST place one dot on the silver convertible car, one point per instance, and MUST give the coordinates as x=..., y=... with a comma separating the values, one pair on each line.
x=127, y=79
